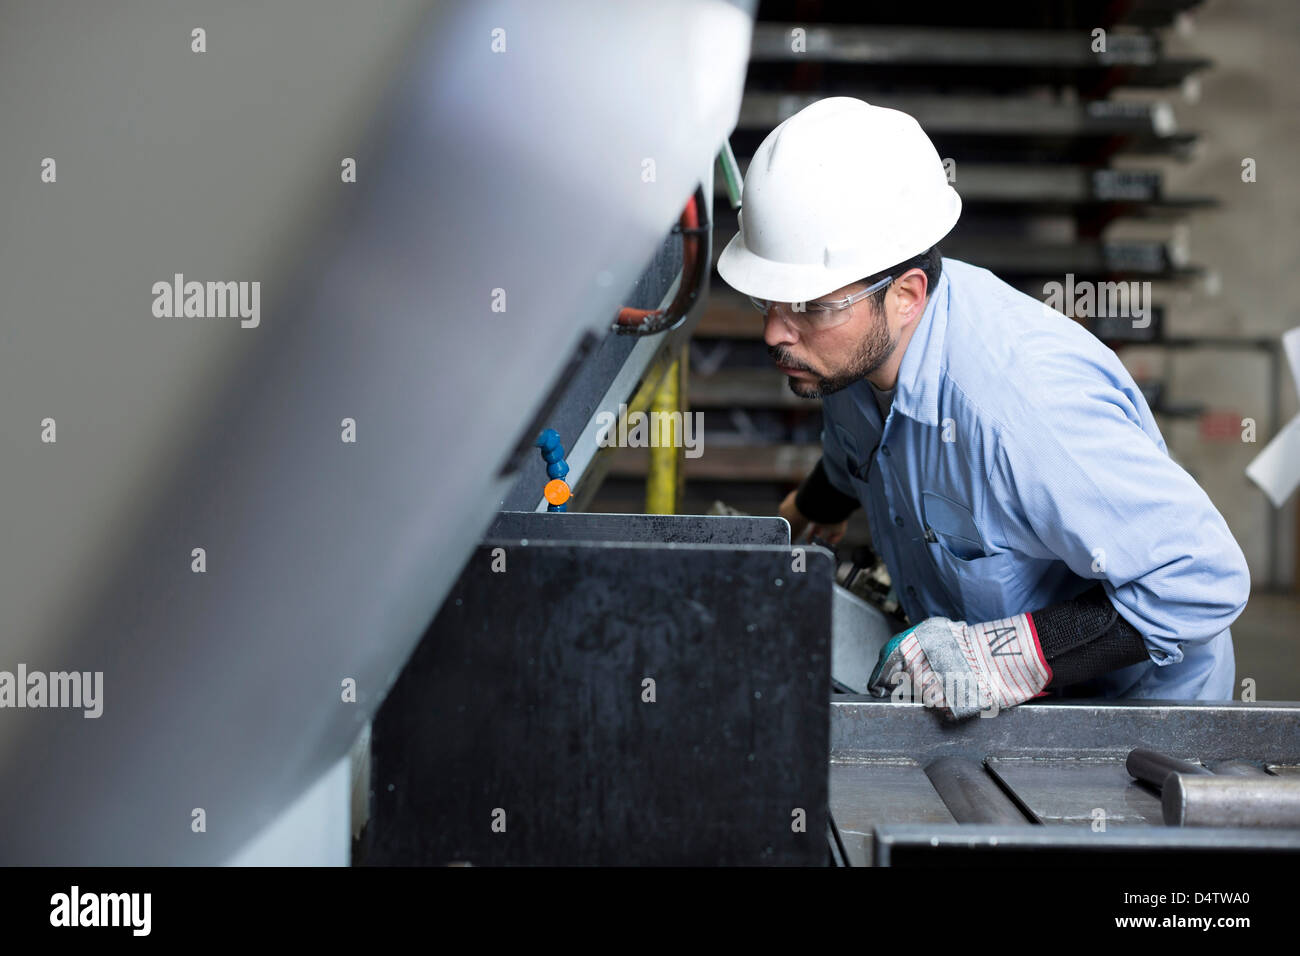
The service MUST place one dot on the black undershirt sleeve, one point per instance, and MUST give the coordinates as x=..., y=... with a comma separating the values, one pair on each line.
x=1086, y=637
x=821, y=502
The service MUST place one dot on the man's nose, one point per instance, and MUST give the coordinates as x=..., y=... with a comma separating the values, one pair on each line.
x=776, y=331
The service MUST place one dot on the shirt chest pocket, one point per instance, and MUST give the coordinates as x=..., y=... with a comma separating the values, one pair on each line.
x=953, y=525
x=978, y=578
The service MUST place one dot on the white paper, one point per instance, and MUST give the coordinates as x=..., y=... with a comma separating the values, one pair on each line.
x=1291, y=343
x=1276, y=469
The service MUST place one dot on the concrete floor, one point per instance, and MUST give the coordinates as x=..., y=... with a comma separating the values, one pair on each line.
x=1267, y=641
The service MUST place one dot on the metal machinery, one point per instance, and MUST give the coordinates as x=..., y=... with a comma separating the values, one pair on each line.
x=592, y=688
x=529, y=693
x=652, y=689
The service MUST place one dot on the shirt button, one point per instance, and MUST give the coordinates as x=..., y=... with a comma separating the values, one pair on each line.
x=898, y=520
x=911, y=591
x=884, y=450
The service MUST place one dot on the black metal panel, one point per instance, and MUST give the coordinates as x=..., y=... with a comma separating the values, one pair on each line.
x=667, y=529
x=525, y=695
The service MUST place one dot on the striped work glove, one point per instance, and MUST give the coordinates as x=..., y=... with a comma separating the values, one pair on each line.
x=963, y=669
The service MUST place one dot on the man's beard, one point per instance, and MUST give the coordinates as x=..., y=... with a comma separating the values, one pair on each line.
x=873, y=351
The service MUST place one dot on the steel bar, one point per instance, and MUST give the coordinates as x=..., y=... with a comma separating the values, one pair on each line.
x=1230, y=801
x=1153, y=767
x=1237, y=768
x=868, y=728
x=970, y=794
x=930, y=844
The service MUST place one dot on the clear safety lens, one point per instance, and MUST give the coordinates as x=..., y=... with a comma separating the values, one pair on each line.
x=820, y=314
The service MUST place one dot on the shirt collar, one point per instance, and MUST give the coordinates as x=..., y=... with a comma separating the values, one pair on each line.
x=922, y=367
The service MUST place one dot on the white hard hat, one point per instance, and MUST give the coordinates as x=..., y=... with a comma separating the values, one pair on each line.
x=837, y=193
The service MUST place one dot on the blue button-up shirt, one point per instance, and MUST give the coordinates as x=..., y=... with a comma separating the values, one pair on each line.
x=1019, y=465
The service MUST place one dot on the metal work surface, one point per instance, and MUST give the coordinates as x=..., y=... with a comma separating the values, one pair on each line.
x=528, y=696
x=1071, y=791
x=863, y=794
x=1051, y=778
x=666, y=529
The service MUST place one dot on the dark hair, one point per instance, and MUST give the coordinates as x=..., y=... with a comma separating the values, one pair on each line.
x=930, y=262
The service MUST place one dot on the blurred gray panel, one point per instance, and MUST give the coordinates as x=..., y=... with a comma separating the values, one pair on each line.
x=477, y=170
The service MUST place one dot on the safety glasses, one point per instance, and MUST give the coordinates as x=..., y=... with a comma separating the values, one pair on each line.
x=819, y=315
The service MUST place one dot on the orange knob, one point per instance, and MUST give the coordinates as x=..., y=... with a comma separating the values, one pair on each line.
x=557, y=492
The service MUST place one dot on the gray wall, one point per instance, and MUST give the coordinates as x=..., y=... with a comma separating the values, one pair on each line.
x=1248, y=105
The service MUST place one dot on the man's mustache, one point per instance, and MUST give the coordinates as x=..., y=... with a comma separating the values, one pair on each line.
x=781, y=357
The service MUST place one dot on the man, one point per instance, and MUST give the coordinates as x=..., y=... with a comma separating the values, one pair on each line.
x=1017, y=486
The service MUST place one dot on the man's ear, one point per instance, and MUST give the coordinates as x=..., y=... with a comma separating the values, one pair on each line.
x=911, y=290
